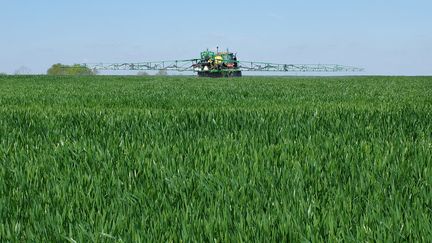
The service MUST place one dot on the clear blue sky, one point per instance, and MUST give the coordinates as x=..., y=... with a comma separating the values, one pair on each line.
x=383, y=36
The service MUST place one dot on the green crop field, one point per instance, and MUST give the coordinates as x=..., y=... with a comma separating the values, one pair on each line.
x=111, y=159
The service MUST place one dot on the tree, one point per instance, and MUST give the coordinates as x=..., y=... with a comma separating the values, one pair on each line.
x=3, y=74
x=23, y=71
x=74, y=70
x=162, y=72
x=142, y=73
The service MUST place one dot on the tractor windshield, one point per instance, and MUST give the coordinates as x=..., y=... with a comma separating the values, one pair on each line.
x=229, y=57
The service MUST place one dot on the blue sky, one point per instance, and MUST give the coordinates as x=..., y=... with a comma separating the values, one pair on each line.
x=385, y=37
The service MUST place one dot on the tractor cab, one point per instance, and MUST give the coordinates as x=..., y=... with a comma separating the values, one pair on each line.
x=228, y=56
x=207, y=56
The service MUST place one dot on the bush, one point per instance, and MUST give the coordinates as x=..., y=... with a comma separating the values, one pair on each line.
x=23, y=70
x=142, y=73
x=162, y=72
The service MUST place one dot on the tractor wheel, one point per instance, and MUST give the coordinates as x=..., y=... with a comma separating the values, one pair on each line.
x=235, y=74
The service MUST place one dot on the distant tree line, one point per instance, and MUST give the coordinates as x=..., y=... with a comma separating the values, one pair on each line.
x=70, y=70
x=142, y=73
x=162, y=72
x=79, y=70
x=23, y=70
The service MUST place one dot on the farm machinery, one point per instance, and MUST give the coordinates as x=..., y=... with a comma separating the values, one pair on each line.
x=220, y=64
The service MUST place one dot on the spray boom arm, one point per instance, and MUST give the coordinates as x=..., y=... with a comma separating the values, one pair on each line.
x=188, y=65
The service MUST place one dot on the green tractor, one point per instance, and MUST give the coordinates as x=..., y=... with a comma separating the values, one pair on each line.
x=217, y=64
